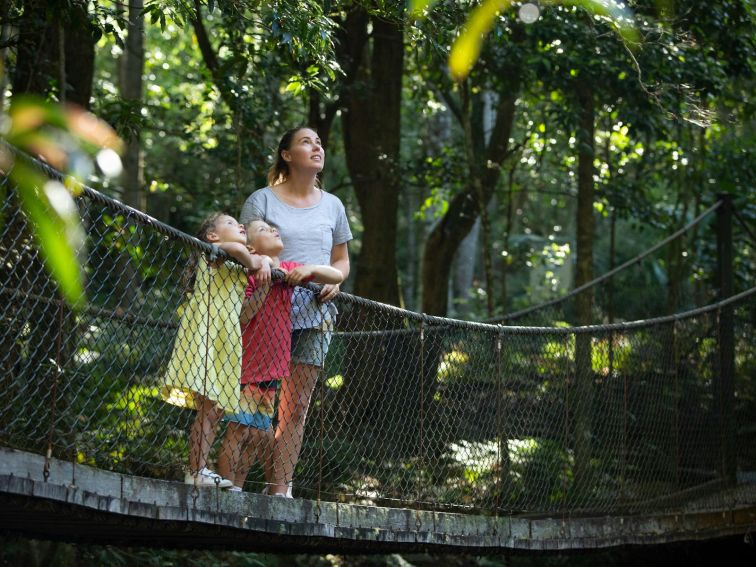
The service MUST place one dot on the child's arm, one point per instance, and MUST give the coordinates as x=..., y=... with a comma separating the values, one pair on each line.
x=317, y=273
x=259, y=265
x=253, y=303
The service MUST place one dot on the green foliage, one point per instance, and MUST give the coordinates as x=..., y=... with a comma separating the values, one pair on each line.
x=674, y=125
x=467, y=47
x=53, y=214
x=65, y=137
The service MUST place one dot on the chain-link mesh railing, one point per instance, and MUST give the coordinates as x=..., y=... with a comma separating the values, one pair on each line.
x=408, y=410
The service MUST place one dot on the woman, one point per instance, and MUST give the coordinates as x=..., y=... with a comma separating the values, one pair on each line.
x=315, y=230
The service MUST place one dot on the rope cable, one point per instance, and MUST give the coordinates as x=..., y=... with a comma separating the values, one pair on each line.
x=610, y=273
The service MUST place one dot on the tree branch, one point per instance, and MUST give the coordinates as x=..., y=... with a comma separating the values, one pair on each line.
x=206, y=48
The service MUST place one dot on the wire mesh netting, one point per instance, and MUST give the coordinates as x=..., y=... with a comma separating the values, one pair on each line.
x=405, y=410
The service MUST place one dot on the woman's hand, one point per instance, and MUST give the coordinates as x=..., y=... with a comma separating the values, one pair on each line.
x=329, y=292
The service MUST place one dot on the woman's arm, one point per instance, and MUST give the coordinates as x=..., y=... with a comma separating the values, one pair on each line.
x=339, y=261
x=316, y=273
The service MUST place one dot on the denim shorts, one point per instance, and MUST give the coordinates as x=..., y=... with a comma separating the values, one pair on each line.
x=310, y=346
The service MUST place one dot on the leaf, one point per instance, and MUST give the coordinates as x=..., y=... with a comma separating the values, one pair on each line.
x=618, y=13
x=57, y=230
x=466, y=48
x=417, y=7
x=294, y=87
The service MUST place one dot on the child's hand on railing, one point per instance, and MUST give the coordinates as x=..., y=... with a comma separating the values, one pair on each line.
x=299, y=274
x=263, y=273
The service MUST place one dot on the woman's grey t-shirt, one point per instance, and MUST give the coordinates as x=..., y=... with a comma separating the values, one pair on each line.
x=309, y=234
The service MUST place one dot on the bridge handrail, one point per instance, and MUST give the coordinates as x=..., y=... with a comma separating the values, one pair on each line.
x=487, y=325
x=610, y=273
x=441, y=322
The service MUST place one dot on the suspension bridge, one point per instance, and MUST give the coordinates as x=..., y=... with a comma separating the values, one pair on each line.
x=424, y=433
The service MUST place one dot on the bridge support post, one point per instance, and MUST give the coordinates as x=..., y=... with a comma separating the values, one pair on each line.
x=725, y=387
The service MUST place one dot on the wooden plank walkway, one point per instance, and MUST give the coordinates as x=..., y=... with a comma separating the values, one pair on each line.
x=81, y=503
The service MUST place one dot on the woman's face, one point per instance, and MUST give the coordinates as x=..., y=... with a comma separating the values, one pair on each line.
x=305, y=152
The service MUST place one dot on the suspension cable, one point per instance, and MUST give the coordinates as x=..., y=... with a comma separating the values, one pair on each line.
x=610, y=273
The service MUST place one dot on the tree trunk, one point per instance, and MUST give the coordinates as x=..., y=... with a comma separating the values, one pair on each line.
x=411, y=261
x=582, y=408
x=371, y=101
x=371, y=143
x=445, y=237
x=503, y=290
x=464, y=271
x=55, y=53
x=351, y=38
x=132, y=64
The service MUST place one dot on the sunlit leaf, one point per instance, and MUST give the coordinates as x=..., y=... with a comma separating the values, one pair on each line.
x=295, y=87
x=32, y=120
x=88, y=128
x=417, y=7
x=618, y=13
x=57, y=229
x=466, y=48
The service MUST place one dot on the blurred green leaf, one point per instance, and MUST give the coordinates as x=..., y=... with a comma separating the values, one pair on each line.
x=63, y=136
x=617, y=13
x=418, y=7
x=57, y=229
x=466, y=48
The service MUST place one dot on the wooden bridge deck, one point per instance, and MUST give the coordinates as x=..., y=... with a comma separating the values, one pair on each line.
x=81, y=503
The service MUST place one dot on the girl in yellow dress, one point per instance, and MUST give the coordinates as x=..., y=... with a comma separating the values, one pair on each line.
x=205, y=366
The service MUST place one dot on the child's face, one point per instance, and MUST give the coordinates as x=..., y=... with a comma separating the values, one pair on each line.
x=227, y=229
x=264, y=239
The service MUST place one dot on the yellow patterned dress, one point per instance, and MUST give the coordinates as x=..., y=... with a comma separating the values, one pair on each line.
x=206, y=358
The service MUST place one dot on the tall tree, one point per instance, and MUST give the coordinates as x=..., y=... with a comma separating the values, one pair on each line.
x=583, y=406
x=371, y=120
x=500, y=74
x=131, y=68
